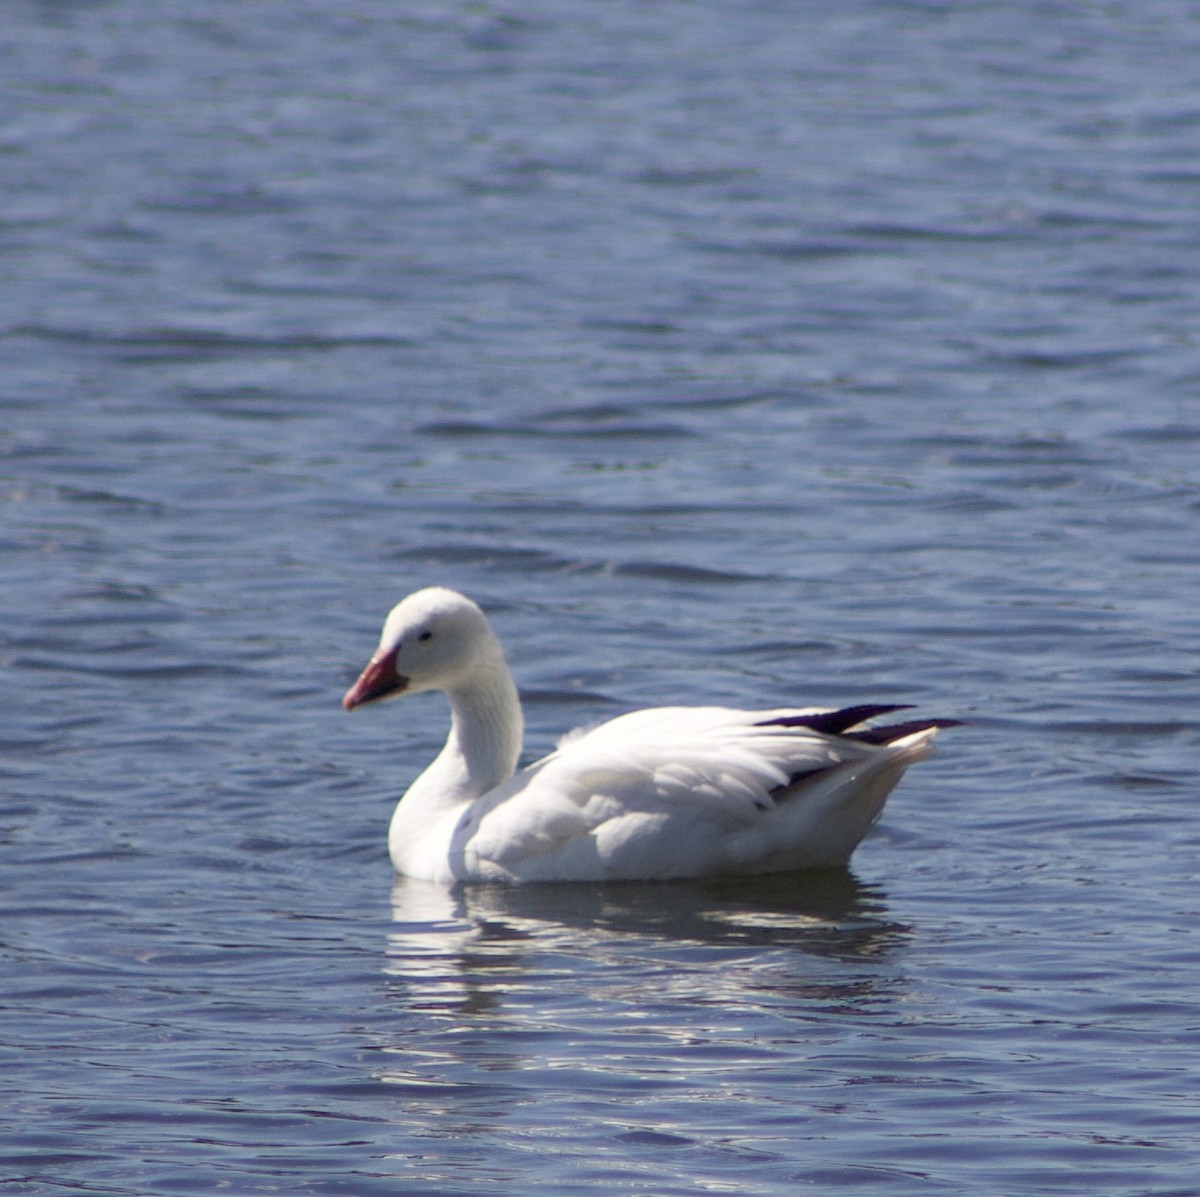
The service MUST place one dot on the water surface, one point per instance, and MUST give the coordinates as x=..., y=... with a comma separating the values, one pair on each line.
x=807, y=356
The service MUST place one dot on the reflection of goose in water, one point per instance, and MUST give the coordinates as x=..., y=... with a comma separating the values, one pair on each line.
x=663, y=793
x=472, y=948
x=509, y=999
x=822, y=911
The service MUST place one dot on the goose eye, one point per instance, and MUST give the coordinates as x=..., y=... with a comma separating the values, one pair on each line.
x=425, y=636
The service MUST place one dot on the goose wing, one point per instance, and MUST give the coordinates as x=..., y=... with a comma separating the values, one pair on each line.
x=708, y=772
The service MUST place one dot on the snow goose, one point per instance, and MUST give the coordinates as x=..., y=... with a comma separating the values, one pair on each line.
x=662, y=793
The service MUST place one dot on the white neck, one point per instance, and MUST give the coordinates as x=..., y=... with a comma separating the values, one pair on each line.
x=482, y=748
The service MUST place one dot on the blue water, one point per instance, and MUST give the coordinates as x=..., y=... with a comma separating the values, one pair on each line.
x=792, y=354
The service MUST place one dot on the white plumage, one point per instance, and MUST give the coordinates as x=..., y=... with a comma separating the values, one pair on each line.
x=659, y=793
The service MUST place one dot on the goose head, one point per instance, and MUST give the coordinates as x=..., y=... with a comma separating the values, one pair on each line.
x=435, y=639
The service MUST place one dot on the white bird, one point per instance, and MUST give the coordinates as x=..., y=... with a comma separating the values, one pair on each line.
x=662, y=793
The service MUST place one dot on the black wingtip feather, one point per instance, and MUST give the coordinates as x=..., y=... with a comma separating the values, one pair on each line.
x=835, y=723
x=897, y=731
